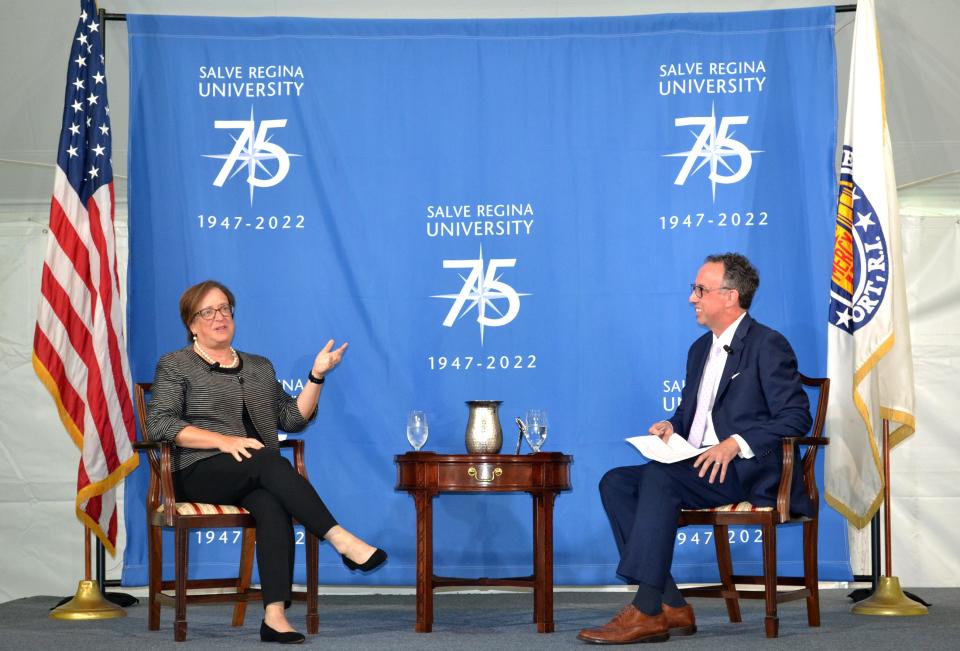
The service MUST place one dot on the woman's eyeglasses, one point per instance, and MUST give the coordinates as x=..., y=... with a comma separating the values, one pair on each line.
x=208, y=313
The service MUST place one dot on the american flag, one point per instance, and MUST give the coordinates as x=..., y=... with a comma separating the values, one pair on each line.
x=78, y=346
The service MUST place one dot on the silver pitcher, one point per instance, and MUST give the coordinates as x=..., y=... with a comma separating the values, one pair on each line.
x=484, y=435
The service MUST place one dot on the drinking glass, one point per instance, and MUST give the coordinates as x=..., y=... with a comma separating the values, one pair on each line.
x=536, y=422
x=417, y=429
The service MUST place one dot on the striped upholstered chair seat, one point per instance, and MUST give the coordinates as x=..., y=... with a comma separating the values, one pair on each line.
x=199, y=508
x=739, y=507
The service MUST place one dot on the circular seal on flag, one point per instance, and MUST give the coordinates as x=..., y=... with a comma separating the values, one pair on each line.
x=860, y=270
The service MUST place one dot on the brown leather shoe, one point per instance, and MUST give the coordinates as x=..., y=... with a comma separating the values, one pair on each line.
x=681, y=621
x=629, y=626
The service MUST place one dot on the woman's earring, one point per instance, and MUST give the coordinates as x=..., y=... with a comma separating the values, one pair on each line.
x=194, y=336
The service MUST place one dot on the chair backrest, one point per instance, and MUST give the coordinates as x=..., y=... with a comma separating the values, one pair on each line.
x=141, y=391
x=822, y=387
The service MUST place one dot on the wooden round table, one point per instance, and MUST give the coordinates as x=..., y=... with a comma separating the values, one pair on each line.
x=427, y=474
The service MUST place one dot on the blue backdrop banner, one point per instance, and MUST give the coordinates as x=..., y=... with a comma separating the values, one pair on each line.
x=483, y=209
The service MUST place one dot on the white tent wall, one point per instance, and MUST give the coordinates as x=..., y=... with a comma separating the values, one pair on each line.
x=40, y=538
x=926, y=494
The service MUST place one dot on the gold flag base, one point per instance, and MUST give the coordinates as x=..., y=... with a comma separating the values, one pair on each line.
x=888, y=599
x=88, y=603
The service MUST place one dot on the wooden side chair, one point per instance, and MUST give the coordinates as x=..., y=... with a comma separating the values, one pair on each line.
x=164, y=511
x=767, y=518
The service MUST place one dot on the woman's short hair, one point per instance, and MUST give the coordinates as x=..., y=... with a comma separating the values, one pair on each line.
x=190, y=301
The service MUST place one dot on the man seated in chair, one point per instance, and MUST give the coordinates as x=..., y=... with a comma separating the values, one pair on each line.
x=742, y=394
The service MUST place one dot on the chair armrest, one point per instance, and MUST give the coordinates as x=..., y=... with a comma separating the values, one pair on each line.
x=160, y=490
x=807, y=440
x=790, y=444
x=299, y=461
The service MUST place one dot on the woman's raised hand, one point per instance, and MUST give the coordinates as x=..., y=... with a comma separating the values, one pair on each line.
x=327, y=359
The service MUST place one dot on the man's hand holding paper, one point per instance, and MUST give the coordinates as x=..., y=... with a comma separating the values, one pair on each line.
x=663, y=429
x=673, y=449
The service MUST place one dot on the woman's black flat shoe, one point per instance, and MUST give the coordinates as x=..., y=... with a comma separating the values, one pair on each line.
x=267, y=634
x=376, y=560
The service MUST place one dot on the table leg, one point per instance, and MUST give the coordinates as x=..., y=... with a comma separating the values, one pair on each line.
x=424, y=503
x=544, y=563
x=537, y=569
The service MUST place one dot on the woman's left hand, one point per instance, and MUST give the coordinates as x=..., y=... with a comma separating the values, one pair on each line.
x=327, y=359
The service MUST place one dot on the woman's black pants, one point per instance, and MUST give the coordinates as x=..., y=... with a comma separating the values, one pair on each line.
x=270, y=488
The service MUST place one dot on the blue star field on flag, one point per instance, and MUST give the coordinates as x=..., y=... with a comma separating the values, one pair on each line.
x=84, y=151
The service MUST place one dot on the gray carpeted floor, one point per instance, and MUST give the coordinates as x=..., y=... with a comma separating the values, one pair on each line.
x=493, y=621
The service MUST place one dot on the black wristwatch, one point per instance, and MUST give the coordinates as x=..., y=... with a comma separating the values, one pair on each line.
x=316, y=380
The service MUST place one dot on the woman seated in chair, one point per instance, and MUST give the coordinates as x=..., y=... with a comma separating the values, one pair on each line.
x=222, y=408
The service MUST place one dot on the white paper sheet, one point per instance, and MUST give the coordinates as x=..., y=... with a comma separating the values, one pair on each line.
x=675, y=449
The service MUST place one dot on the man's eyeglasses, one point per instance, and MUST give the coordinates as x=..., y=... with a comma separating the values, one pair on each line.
x=700, y=290
x=208, y=313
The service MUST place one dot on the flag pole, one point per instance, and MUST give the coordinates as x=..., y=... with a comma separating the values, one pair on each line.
x=887, y=527
x=888, y=598
x=122, y=599
x=86, y=553
x=88, y=603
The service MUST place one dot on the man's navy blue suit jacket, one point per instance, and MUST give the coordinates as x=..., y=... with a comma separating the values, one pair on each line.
x=761, y=398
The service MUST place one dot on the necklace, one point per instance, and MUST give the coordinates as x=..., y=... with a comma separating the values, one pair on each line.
x=209, y=360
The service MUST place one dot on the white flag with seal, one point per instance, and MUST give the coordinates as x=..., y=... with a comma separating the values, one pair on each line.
x=868, y=340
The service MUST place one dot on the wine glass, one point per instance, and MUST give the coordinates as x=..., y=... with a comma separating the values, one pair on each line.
x=536, y=422
x=417, y=429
